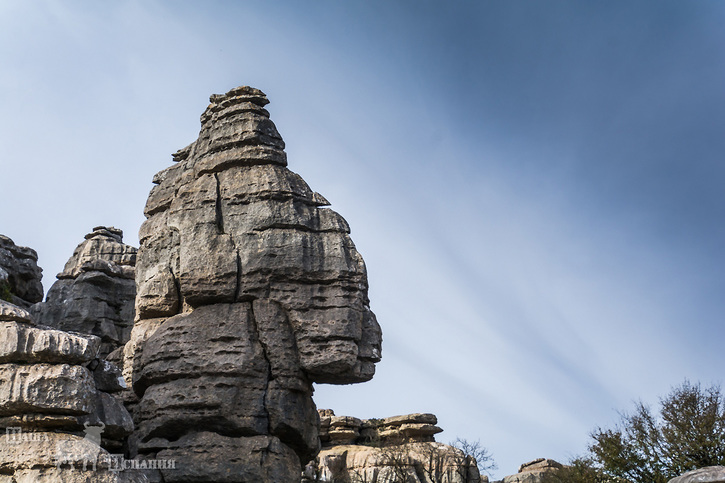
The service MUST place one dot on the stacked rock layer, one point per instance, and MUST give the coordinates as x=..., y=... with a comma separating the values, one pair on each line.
x=95, y=292
x=54, y=393
x=395, y=449
x=248, y=290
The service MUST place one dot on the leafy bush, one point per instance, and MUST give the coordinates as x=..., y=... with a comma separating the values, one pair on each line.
x=687, y=433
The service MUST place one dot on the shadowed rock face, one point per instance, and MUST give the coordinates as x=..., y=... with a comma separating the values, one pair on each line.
x=95, y=292
x=248, y=290
x=19, y=274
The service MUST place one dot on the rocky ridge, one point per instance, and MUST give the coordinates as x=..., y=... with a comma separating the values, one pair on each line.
x=248, y=290
x=95, y=292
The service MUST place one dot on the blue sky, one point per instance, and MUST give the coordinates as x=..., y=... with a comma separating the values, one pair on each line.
x=536, y=186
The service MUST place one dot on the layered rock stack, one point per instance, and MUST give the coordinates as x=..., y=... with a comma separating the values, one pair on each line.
x=58, y=417
x=408, y=428
x=249, y=290
x=20, y=276
x=95, y=292
x=394, y=449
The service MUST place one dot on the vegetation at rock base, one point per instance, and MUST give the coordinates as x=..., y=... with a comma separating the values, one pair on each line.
x=5, y=292
x=687, y=433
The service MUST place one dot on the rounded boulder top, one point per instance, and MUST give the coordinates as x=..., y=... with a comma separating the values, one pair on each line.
x=709, y=474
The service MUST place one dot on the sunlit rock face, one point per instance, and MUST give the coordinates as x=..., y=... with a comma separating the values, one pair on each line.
x=248, y=290
x=54, y=393
x=709, y=474
x=396, y=449
x=95, y=292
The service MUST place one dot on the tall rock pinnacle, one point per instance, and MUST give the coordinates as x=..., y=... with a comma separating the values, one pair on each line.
x=94, y=294
x=248, y=290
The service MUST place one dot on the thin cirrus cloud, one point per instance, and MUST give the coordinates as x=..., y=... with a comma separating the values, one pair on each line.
x=536, y=188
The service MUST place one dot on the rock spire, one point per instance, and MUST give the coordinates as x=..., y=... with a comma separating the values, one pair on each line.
x=248, y=290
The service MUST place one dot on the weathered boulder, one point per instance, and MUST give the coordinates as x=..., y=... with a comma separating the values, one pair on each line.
x=709, y=474
x=248, y=292
x=20, y=276
x=95, y=292
x=533, y=471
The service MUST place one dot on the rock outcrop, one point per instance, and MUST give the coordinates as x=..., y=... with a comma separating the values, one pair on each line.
x=95, y=292
x=409, y=428
x=20, y=276
x=533, y=471
x=710, y=474
x=59, y=417
x=398, y=449
x=248, y=291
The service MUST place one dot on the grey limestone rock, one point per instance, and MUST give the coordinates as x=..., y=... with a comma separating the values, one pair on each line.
x=710, y=474
x=533, y=471
x=20, y=276
x=396, y=449
x=49, y=457
x=248, y=291
x=407, y=462
x=408, y=428
x=21, y=342
x=95, y=292
x=49, y=397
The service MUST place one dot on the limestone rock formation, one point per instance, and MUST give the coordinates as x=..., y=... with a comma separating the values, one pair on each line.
x=248, y=290
x=408, y=428
x=52, y=398
x=533, y=471
x=710, y=474
x=398, y=449
x=95, y=292
x=19, y=274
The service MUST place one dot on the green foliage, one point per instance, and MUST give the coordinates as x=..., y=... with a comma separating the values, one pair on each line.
x=688, y=433
x=5, y=292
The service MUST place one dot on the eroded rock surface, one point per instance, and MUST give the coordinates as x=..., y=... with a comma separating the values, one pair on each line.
x=20, y=276
x=398, y=449
x=95, y=292
x=533, y=471
x=56, y=406
x=249, y=290
x=710, y=474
